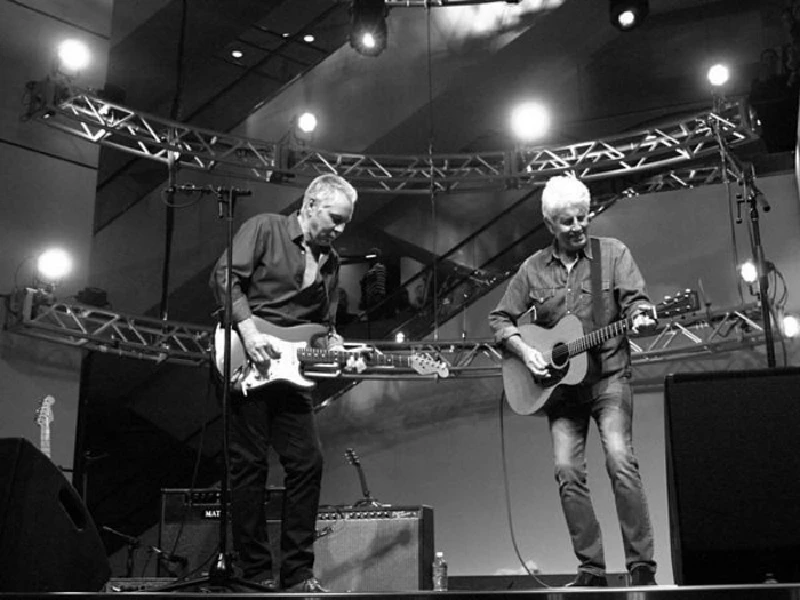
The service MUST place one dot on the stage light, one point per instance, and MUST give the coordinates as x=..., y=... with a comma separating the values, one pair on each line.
x=748, y=271
x=53, y=265
x=73, y=57
x=308, y=38
x=237, y=53
x=718, y=75
x=399, y=337
x=368, y=26
x=307, y=122
x=529, y=121
x=790, y=326
x=628, y=14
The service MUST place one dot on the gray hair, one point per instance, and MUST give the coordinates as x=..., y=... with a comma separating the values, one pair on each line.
x=562, y=192
x=325, y=186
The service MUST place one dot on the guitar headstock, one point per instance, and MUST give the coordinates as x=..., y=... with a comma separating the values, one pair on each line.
x=424, y=364
x=351, y=457
x=684, y=302
x=43, y=415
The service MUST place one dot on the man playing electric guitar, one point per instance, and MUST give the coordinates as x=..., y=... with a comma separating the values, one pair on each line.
x=570, y=278
x=284, y=272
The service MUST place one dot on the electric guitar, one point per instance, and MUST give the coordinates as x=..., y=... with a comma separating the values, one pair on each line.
x=43, y=416
x=563, y=347
x=305, y=345
x=353, y=459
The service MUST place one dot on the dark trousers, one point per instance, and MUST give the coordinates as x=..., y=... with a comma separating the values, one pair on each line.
x=281, y=419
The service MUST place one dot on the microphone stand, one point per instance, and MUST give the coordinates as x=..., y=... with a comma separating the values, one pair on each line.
x=220, y=573
x=753, y=196
x=132, y=543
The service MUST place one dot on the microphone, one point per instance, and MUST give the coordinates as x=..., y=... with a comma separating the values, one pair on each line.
x=169, y=557
x=759, y=197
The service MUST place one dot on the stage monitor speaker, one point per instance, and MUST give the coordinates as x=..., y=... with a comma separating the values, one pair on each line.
x=48, y=540
x=374, y=549
x=189, y=528
x=733, y=475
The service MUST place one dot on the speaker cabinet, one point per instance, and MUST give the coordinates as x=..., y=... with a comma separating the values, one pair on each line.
x=733, y=475
x=373, y=549
x=189, y=528
x=48, y=540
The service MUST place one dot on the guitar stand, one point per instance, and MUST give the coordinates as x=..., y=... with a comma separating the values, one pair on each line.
x=220, y=576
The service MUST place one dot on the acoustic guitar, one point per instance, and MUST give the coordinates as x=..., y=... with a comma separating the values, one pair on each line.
x=564, y=347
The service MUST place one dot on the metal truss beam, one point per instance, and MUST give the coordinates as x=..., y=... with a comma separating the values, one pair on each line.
x=695, y=138
x=682, y=341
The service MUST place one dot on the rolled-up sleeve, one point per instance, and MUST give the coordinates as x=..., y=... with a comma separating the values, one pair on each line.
x=514, y=303
x=246, y=247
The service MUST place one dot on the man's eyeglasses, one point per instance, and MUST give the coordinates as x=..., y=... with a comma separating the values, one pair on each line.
x=581, y=220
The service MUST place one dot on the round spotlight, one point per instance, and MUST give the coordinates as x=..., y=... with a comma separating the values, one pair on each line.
x=529, y=121
x=626, y=19
x=54, y=264
x=308, y=38
x=399, y=337
x=790, y=325
x=307, y=122
x=368, y=41
x=718, y=75
x=237, y=53
x=628, y=14
x=73, y=56
x=748, y=271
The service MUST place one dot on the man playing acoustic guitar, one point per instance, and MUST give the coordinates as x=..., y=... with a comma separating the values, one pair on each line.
x=285, y=275
x=563, y=281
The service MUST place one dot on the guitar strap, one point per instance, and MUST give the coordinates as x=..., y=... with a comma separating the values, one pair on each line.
x=596, y=268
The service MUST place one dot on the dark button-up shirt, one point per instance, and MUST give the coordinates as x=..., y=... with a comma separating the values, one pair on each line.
x=544, y=286
x=268, y=266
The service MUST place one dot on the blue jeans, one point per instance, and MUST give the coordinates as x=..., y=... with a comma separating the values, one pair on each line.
x=610, y=403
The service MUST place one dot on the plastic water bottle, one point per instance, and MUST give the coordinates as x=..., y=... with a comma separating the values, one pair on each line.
x=439, y=573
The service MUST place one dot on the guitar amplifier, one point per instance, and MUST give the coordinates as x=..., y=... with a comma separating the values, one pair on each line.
x=189, y=528
x=374, y=549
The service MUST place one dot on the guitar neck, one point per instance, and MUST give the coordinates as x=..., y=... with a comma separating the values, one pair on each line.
x=599, y=336
x=44, y=442
x=314, y=355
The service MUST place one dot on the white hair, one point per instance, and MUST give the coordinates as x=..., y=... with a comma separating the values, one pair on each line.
x=325, y=186
x=562, y=192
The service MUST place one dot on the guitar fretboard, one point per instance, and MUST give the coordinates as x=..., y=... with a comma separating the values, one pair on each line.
x=598, y=337
x=341, y=356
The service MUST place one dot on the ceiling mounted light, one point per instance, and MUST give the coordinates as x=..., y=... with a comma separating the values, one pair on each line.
x=236, y=53
x=73, y=56
x=368, y=26
x=628, y=14
x=718, y=75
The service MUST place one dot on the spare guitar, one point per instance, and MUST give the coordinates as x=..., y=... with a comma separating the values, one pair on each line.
x=306, y=345
x=43, y=416
x=563, y=348
x=367, y=498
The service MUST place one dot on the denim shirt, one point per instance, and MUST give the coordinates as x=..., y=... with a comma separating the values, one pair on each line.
x=545, y=287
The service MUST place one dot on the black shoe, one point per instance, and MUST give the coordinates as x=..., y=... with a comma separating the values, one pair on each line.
x=642, y=575
x=586, y=579
x=311, y=584
x=270, y=585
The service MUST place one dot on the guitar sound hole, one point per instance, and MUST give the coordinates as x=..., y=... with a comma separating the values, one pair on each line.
x=560, y=356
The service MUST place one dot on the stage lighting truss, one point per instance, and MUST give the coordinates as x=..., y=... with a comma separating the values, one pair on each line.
x=702, y=335
x=667, y=149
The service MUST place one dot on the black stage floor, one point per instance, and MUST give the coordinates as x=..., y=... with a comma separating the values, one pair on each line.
x=742, y=592
x=658, y=592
